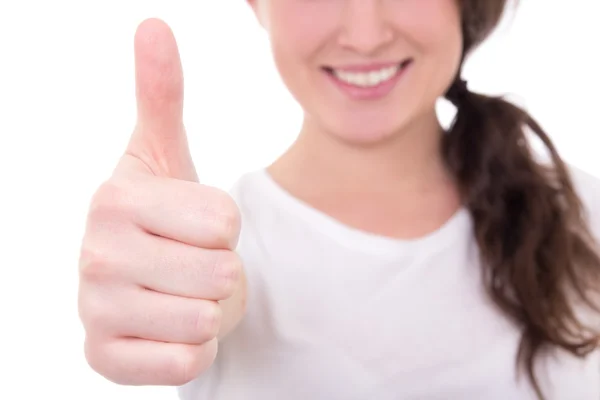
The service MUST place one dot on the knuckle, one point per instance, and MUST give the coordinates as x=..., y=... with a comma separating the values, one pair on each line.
x=105, y=362
x=99, y=251
x=228, y=216
x=94, y=264
x=183, y=367
x=207, y=321
x=190, y=367
x=110, y=200
x=95, y=315
x=227, y=273
x=94, y=355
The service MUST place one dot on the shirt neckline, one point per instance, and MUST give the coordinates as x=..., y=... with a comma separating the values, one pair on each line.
x=358, y=239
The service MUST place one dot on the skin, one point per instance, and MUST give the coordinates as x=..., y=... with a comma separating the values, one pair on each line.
x=351, y=155
x=160, y=281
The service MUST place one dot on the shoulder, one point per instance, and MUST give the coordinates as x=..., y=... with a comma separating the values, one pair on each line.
x=587, y=187
x=248, y=188
x=255, y=201
x=586, y=183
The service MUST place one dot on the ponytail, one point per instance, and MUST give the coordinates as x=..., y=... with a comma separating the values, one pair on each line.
x=529, y=223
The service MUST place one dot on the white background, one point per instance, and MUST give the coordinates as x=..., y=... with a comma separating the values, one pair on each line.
x=67, y=109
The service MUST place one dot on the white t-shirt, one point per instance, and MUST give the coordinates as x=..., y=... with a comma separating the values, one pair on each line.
x=338, y=313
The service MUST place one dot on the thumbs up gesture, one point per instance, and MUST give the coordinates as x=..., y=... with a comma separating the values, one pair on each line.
x=159, y=278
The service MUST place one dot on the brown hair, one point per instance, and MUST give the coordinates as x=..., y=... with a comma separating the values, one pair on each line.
x=537, y=251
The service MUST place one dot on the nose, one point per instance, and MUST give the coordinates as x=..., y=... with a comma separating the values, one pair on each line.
x=365, y=28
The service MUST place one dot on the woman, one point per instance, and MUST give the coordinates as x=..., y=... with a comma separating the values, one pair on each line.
x=384, y=257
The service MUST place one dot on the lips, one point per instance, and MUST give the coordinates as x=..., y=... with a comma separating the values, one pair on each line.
x=367, y=82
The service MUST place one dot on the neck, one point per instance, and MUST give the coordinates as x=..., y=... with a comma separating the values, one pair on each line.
x=320, y=162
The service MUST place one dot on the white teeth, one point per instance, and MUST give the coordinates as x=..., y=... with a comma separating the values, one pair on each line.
x=367, y=79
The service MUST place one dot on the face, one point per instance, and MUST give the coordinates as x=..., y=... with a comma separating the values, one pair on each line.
x=364, y=69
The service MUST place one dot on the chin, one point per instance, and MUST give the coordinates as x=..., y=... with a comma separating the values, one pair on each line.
x=359, y=129
x=364, y=134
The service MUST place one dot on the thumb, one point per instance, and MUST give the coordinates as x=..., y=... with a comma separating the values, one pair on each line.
x=159, y=139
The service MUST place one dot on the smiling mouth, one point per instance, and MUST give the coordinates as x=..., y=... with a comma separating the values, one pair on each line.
x=368, y=77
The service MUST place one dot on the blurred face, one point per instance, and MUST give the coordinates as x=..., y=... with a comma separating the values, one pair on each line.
x=364, y=69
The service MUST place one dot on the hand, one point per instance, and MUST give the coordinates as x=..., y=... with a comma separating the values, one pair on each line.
x=157, y=255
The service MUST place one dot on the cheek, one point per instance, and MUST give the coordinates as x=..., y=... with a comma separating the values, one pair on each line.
x=298, y=32
x=435, y=28
x=299, y=28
